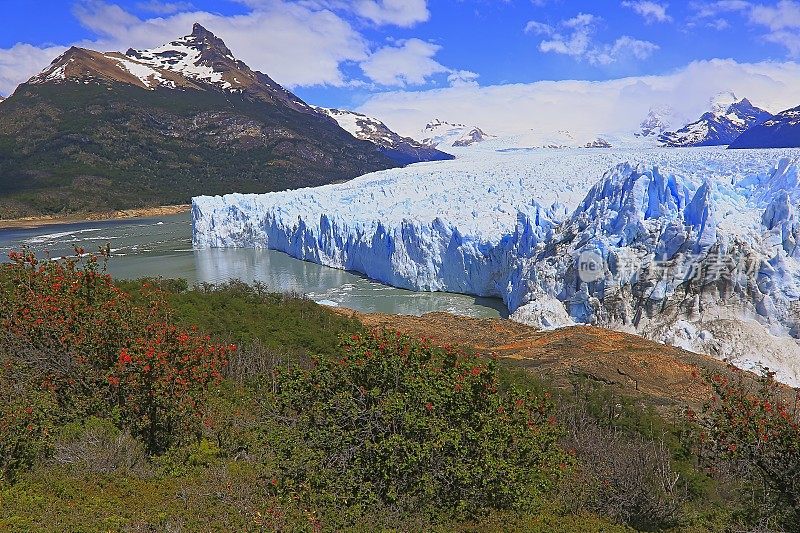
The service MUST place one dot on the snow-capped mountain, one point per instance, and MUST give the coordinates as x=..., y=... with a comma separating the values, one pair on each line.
x=598, y=143
x=721, y=126
x=658, y=120
x=199, y=61
x=780, y=131
x=696, y=248
x=473, y=136
x=172, y=122
x=403, y=150
x=443, y=134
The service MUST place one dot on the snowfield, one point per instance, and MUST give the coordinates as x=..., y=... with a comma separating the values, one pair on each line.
x=692, y=247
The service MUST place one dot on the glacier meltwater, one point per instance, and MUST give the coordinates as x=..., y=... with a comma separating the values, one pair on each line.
x=696, y=247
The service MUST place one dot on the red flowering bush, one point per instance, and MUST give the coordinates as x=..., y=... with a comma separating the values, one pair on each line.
x=101, y=353
x=396, y=421
x=751, y=428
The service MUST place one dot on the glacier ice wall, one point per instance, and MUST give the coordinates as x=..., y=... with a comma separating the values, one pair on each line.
x=706, y=238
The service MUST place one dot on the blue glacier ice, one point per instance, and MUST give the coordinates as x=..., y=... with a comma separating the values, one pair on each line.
x=699, y=236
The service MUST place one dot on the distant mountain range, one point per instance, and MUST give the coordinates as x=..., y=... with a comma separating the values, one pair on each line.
x=402, y=150
x=104, y=131
x=718, y=127
x=779, y=131
x=658, y=120
x=448, y=134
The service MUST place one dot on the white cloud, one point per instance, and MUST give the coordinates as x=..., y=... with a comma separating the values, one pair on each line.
x=163, y=8
x=650, y=11
x=20, y=61
x=707, y=9
x=586, y=107
x=538, y=28
x=609, y=53
x=784, y=15
x=409, y=63
x=575, y=37
x=460, y=78
x=719, y=24
x=404, y=13
x=781, y=20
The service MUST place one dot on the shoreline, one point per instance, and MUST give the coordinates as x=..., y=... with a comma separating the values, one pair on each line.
x=124, y=214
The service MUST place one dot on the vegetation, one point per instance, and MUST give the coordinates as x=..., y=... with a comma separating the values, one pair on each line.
x=150, y=406
x=74, y=147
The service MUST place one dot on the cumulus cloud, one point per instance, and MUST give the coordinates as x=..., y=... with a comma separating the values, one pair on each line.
x=781, y=20
x=296, y=42
x=589, y=108
x=410, y=62
x=460, y=78
x=575, y=38
x=650, y=11
x=402, y=13
x=22, y=60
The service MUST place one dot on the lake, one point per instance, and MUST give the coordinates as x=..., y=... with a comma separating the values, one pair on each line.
x=153, y=247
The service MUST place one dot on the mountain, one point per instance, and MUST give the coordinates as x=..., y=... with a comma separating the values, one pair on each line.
x=598, y=143
x=658, y=120
x=105, y=131
x=720, y=126
x=444, y=134
x=473, y=136
x=402, y=150
x=780, y=131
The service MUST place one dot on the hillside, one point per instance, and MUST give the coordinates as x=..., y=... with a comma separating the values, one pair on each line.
x=780, y=131
x=402, y=150
x=106, y=131
x=662, y=375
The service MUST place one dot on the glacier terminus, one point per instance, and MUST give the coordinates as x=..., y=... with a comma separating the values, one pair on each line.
x=693, y=247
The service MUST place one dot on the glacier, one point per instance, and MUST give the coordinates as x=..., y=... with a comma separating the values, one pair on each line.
x=694, y=247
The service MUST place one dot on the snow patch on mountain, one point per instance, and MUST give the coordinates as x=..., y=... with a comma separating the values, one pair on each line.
x=185, y=56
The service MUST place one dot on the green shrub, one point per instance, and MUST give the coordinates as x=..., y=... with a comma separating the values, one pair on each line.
x=27, y=418
x=751, y=431
x=394, y=421
x=83, y=339
x=98, y=446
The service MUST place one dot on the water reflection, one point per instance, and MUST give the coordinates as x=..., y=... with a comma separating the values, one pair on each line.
x=162, y=247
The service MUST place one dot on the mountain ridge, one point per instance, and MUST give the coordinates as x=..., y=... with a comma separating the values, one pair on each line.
x=403, y=150
x=103, y=131
x=718, y=127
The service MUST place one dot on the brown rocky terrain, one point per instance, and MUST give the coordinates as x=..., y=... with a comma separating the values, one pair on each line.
x=665, y=376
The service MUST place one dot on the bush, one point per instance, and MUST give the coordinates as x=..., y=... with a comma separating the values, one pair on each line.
x=393, y=421
x=98, y=352
x=619, y=475
x=751, y=430
x=26, y=422
x=97, y=446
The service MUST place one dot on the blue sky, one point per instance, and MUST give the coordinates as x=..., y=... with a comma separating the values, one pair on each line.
x=352, y=53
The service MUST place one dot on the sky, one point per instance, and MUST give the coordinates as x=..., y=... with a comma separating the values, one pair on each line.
x=504, y=65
